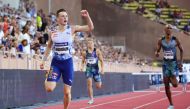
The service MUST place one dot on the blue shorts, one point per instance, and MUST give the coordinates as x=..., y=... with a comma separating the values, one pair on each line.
x=62, y=68
x=92, y=72
x=170, y=68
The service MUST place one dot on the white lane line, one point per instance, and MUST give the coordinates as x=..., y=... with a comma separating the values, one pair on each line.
x=156, y=101
x=117, y=101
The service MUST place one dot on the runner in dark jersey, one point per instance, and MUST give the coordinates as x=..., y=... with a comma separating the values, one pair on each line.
x=91, y=57
x=170, y=65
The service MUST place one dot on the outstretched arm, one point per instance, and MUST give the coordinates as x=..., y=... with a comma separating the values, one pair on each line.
x=83, y=28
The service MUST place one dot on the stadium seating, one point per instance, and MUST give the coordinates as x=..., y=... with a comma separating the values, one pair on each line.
x=150, y=6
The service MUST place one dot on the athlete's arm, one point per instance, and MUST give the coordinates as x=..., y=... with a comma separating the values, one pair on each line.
x=83, y=60
x=88, y=27
x=100, y=57
x=47, y=51
x=181, y=51
x=158, y=48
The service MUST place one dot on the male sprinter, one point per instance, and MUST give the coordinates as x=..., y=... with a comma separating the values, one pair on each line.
x=62, y=63
x=170, y=66
x=91, y=57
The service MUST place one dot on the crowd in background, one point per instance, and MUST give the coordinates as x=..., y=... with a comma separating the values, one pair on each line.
x=110, y=54
x=25, y=30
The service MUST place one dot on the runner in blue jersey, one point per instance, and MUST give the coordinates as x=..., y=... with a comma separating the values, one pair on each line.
x=60, y=42
x=170, y=65
x=90, y=58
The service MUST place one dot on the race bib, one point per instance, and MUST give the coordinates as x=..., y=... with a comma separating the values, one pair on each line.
x=168, y=55
x=91, y=61
x=62, y=50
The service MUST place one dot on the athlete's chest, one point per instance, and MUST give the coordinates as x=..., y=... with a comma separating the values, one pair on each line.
x=59, y=37
x=168, y=44
x=91, y=58
x=91, y=55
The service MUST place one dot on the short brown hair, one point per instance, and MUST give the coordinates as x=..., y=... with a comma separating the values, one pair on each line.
x=60, y=10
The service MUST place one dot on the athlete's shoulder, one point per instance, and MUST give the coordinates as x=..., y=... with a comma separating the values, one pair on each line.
x=84, y=52
x=97, y=50
x=162, y=38
x=174, y=38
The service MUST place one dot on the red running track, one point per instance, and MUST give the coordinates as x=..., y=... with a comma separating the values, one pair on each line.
x=132, y=100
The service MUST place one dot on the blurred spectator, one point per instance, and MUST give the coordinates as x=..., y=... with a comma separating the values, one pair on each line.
x=187, y=27
x=13, y=48
x=177, y=22
x=166, y=4
x=43, y=45
x=141, y=10
x=28, y=15
x=5, y=24
x=162, y=4
x=25, y=35
x=121, y=2
x=180, y=14
x=44, y=24
x=1, y=18
x=175, y=14
x=80, y=35
x=158, y=11
x=1, y=34
x=35, y=45
x=171, y=14
x=52, y=17
x=17, y=33
x=31, y=27
x=39, y=21
x=21, y=22
x=13, y=26
x=21, y=45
